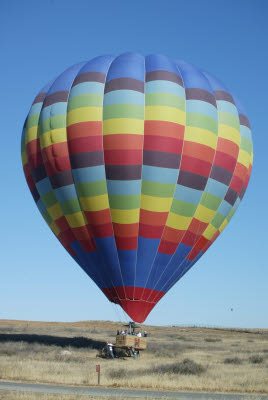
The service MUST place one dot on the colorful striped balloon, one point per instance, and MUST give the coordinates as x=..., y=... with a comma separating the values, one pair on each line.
x=137, y=164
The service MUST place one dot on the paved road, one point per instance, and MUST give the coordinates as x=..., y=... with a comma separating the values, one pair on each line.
x=124, y=393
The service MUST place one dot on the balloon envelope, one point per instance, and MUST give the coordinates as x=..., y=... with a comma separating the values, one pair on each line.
x=137, y=164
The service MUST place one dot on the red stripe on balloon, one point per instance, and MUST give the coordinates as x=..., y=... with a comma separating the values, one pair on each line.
x=151, y=231
x=126, y=243
x=195, y=166
x=123, y=157
x=225, y=161
x=56, y=165
x=84, y=129
x=171, y=129
x=85, y=144
x=162, y=143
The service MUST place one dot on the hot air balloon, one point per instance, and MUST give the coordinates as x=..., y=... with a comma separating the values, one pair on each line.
x=137, y=164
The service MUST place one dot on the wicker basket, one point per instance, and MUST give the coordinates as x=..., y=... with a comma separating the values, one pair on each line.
x=124, y=341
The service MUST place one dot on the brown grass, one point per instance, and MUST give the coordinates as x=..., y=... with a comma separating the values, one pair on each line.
x=65, y=353
x=43, y=396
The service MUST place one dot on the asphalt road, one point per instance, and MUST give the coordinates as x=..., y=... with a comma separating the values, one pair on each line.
x=124, y=393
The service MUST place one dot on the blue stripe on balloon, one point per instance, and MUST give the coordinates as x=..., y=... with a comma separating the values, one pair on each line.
x=127, y=259
x=164, y=87
x=182, y=271
x=236, y=204
x=226, y=106
x=202, y=107
x=124, y=187
x=123, y=96
x=109, y=254
x=41, y=206
x=245, y=132
x=85, y=88
x=224, y=208
x=188, y=195
x=177, y=259
x=147, y=249
x=160, y=262
x=43, y=186
x=35, y=109
x=216, y=188
x=91, y=264
x=89, y=174
x=52, y=110
x=158, y=174
x=66, y=193
x=178, y=273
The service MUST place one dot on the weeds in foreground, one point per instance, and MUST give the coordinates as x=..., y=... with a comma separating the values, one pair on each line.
x=234, y=360
x=185, y=367
x=256, y=359
x=119, y=373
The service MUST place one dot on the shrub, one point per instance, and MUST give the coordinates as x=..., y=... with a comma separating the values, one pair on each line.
x=164, y=350
x=256, y=359
x=7, y=352
x=184, y=338
x=185, y=367
x=234, y=360
x=119, y=373
x=212, y=340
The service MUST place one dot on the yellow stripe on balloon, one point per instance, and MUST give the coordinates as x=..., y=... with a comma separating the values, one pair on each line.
x=95, y=203
x=54, y=136
x=55, y=211
x=223, y=225
x=30, y=134
x=84, y=114
x=209, y=232
x=165, y=113
x=244, y=158
x=201, y=136
x=54, y=228
x=204, y=214
x=123, y=125
x=179, y=222
x=157, y=204
x=24, y=158
x=76, y=220
x=125, y=216
x=229, y=133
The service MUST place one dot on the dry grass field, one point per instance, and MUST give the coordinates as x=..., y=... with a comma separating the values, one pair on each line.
x=41, y=396
x=178, y=358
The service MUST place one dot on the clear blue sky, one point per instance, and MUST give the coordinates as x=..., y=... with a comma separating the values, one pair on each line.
x=39, y=39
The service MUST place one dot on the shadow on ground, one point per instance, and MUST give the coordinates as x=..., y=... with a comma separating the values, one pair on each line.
x=78, y=342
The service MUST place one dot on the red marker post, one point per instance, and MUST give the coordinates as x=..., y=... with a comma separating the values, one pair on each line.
x=98, y=371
